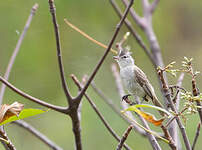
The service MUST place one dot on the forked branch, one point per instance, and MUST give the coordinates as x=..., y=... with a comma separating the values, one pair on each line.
x=106, y=52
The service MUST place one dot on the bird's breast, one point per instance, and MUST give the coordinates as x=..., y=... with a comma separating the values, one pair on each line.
x=128, y=77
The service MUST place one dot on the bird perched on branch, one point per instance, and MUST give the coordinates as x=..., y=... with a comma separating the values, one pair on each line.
x=134, y=78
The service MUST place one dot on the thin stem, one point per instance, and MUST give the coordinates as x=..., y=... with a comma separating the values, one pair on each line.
x=167, y=94
x=106, y=99
x=172, y=144
x=106, y=52
x=16, y=50
x=154, y=5
x=8, y=144
x=132, y=30
x=36, y=100
x=37, y=134
x=88, y=36
x=196, y=135
x=139, y=20
x=76, y=81
x=59, y=54
x=124, y=137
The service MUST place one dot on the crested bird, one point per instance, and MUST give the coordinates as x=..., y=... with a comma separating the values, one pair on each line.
x=134, y=79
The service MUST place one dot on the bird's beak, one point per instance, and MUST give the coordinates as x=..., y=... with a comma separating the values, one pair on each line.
x=115, y=57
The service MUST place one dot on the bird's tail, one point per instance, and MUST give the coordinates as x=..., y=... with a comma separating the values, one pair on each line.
x=156, y=102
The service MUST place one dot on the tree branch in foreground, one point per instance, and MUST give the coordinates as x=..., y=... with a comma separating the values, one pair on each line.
x=76, y=81
x=8, y=144
x=59, y=54
x=78, y=98
x=37, y=134
x=196, y=135
x=33, y=99
x=124, y=137
x=167, y=94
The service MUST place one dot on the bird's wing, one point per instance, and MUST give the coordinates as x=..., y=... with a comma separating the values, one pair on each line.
x=142, y=80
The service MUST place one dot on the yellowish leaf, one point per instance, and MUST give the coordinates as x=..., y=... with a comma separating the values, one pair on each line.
x=150, y=118
x=7, y=111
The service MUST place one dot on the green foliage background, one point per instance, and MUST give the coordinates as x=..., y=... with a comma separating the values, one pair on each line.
x=178, y=28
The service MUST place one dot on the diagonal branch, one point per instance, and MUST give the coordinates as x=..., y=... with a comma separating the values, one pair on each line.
x=36, y=100
x=8, y=145
x=78, y=98
x=196, y=135
x=154, y=5
x=38, y=134
x=124, y=137
x=16, y=50
x=167, y=94
x=139, y=20
x=76, y=81
x=132, y=30
x=59, y=54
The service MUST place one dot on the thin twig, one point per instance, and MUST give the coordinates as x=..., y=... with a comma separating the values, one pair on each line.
x=172, y=105
x=33, y=99
x=167, y=135
x=106, y=99
x=37, y=134
x=16, y=50
x=59, y=54
x=154, y=5
x=76, y=81
x=133, y=31
x=88, y=36
x=118, y=27
x=176, y=137
x=196, y=92
x=9, y=145
x=155, y=145
x=124, y=137
x=196, y=135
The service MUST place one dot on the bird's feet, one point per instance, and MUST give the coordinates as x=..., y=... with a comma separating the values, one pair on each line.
x=125, y=98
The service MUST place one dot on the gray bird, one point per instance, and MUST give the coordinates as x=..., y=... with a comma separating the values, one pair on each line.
x=134, y=79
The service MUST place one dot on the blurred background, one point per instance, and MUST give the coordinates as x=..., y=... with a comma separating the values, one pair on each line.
x=177, y=25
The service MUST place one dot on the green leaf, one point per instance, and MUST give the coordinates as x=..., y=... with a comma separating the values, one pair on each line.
x=134, y=107
x=25, y=113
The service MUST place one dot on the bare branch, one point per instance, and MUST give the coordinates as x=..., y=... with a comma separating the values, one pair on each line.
x=106, y=52
x=59, y=54
x=176, y=137
x=76, y=81
x=146, y=6
x=154, y=5
x=124, y=137
x=132, y=30
x=196, y=135
x=8, y=145
x=16, y=50
x=37, y=134
x=167, y=94
x=167, y=135
x=106, y=99
x=27, y=96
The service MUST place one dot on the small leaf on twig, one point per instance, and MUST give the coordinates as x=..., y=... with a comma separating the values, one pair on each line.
x=150, y=118
x=25, y=113
x=7, y=111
